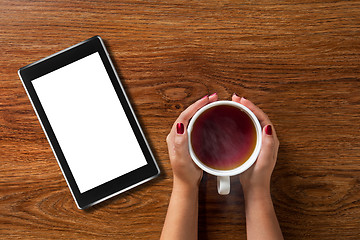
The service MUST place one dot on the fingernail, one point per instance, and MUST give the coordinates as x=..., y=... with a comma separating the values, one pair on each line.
x=235, y=95
x=206, y=96
x=180, y=128
x=268, y=130
x=213, y=94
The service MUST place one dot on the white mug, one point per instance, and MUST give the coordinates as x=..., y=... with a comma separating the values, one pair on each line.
x=223, y=176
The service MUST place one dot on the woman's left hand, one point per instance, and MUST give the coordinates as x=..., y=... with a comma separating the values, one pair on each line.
x=185, y=171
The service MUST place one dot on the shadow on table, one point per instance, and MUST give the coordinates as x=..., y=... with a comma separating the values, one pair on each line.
x=221, y=217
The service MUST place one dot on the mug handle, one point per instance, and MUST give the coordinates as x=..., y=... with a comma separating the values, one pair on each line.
x=223, y=185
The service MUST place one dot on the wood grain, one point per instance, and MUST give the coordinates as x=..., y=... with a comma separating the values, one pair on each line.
x=298, y=60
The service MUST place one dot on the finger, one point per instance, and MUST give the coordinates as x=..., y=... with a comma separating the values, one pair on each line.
x=181, y=147
x=213, y=97
x=268, y=147
x=235, y=98
x=263, y=118
x=191, y=110
x=180, y=137
x=188, y=113
x=177, y=139
x=180, y=141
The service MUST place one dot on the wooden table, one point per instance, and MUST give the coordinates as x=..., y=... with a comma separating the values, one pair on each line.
x=297, y=60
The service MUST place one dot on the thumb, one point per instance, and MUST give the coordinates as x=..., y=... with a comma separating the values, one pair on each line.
x=268, y=152
x=181, y=139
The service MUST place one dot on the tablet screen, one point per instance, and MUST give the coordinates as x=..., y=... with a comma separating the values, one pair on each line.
x=89, y=122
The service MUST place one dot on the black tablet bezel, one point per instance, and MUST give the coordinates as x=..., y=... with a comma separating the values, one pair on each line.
x=61, y=59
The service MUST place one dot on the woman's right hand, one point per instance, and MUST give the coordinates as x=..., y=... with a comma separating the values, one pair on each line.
x=257, y=177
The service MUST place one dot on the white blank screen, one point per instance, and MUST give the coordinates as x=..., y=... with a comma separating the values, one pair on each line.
x=89, y=122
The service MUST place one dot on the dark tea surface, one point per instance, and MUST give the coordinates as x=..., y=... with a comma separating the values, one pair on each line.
x=223, y=137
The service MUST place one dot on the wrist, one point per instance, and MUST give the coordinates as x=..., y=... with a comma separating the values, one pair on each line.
x=256, y=192
x=179, y=185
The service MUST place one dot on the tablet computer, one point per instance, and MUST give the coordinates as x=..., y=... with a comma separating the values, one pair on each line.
x=89, y=122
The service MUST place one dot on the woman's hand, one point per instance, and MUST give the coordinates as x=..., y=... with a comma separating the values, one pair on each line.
x=257, y=177
x=261, y=220
x=185, y=171
x=181, y=220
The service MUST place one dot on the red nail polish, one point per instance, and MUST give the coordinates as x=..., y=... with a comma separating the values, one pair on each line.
x=213, y=94
x=268, y=130
x=180, y=128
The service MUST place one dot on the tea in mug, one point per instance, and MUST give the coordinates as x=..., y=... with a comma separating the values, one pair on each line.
x=223, y=137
